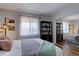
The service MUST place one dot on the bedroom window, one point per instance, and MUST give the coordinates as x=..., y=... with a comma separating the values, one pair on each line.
x=29, y=26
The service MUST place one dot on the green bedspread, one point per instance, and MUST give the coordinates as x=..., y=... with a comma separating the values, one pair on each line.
x=47, y=49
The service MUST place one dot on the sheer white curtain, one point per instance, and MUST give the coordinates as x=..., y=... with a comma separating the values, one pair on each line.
x=29, y=27
x=65, y=27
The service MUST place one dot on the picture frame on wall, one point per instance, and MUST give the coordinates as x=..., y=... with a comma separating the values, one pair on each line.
x=10, y=21
x=11, y=28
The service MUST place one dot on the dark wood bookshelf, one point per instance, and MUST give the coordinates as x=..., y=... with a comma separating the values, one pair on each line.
x=59, y=33
x=46, y=30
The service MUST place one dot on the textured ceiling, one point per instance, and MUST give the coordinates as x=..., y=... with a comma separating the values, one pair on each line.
x=59, y=10
x=35, y=8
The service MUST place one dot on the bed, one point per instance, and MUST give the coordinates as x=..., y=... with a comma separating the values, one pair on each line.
x=22, y=48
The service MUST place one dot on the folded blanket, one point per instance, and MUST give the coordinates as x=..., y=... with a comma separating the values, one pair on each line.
x=47, y=49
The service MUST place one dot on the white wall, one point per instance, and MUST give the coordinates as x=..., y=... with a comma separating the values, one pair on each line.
x=62, y=15
x=14, y=35
x=53, y=29
x=75, y=27
x=3, y=14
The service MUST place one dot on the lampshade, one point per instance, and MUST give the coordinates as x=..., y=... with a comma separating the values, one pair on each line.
x=1, y=30
x=5, y=26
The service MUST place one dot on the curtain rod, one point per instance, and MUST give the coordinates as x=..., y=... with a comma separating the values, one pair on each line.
x=30, y=16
